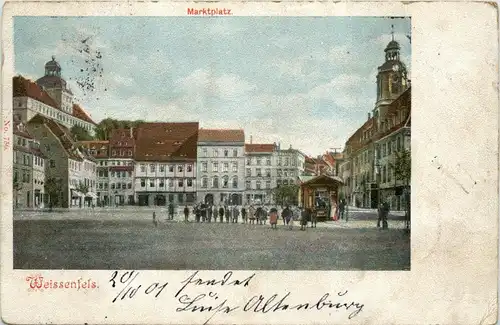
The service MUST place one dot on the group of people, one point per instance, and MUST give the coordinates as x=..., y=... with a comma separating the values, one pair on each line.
x=249, y=214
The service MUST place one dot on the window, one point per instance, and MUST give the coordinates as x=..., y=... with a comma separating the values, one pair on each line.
x=258, y=172
x=258, y=185
x=180, y=198
x=249, y=161
x=118, y=186
x=235, y=152
x=204, y=167
x=189, y=168
x=151, y=182
x=129, y=186
x=161, y=182
x=279, y=161
x=268, y=161
x=225, y=181
x=143, y=168
x=399, y=144
x=235, y=166
x=152, y=168
x=52, y=163
x=248, y=185
x=226, y=153
x=258, y=161
x=124, y=185
x=389, y=174
x=287, y=161
x=216, y=153
x=268, y=184
x=170, y=183
x=180, y=168
x=249, y=172
x=113, y=153
x=215, y=167
x=268, y=172
x=105, y=186
x=171, y=168
x=189, y=182
x=205, y=152
x=112, y=186
x=215, y=182
x=225, y=167
x=129, y=174
x=180, y=182
x=204, y=182
x=235, y=182
x=113, y=174
x=162, y=168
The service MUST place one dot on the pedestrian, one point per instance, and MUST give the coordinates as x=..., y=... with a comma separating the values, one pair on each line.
x=244, y=214
x=198, y=213
x=314, y=219
x=304, y=218
x=221, y=214
x=258, y=216
x=342, y=208
x=227, y=213
x=282, y=215
x=385, y=214
x=285, y=214
x=171, y=211
x=155, y=222
x=264, y=214
x=186, y=213
x=209, y=213
x=236, y=214
x=273, y=218
x=251, y=214
x=203, y=212
x=288, y=216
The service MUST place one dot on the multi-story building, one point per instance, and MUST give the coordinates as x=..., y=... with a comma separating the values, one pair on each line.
x=100, y=151
x=165, y=163
x=70, y=172
x=49, y=96
x=121, y=166
x=221, y=163
x=369, y=152
x=260, y=172
x=290, y=165
x=28, y=170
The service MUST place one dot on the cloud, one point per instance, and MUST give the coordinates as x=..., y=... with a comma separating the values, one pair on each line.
x=344, y=90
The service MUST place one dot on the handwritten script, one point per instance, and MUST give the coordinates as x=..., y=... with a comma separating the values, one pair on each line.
x=226, y=295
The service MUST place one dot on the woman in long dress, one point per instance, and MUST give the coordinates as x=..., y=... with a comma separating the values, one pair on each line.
x=333, y=211
x=273, y=218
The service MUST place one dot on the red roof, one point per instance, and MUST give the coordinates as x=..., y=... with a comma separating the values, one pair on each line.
x=22, y=87
x=166, y=141
x=122, y=138
x=101, y=147
x=21, y=133
x=259, y=148
x=80, y=113
x=221, y=135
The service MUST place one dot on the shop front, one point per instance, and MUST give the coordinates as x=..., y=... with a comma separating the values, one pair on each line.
x=320, y=194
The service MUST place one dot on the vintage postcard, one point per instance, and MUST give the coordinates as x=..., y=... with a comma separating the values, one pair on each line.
x=249, y=163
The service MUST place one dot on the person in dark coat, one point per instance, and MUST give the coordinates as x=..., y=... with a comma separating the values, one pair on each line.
x=155, y=222
x=221, y=214
x=198, y=213
x=209, y=213
x=244, y=214
x=227, y=213
x=236, y=214
x=286, y=215
x=304, y=218
x=186, y=213
x=314, y=218
x=203, y=212
x=171, y=211
x=342, y=208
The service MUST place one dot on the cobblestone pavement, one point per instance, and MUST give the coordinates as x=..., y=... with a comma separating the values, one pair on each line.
x=101, y=239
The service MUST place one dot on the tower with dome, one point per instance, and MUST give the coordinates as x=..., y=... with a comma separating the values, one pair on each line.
x=54, y=84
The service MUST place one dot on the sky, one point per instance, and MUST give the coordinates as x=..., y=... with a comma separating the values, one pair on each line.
x=308, y=82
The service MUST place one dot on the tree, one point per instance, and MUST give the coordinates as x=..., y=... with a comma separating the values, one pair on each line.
x=17, y=185
x=53, y=187
x=106, y=127
x=286, y=194
x=80, y=134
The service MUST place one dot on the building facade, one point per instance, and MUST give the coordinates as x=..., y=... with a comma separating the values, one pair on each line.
x=291, y=163
x=370, y=153
x=260, y=172
x=50, y=97
x=165, y=163
x=220, y=164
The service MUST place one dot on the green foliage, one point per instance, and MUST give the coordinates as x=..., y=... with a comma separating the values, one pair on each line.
x=80, y=134
x=402, y=166
x=106, y=127
x=53, y=188
x=286, y=194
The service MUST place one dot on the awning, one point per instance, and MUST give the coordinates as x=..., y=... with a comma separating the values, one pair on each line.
x=91, y=194
x=77, y=194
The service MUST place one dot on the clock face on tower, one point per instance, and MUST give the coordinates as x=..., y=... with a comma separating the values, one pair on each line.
x=395, y=67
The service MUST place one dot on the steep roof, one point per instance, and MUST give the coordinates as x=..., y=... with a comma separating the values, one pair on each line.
x=22, y=87
x=63, y=135
x=221, y=135
x=101, y=148
x=166, y=141
x=81, y=114
x=259, y=147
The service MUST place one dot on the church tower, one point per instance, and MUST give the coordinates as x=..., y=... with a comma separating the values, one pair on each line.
x=53, y=83
x=392, y=78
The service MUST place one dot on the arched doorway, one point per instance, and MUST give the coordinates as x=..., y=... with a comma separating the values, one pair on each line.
x=209, y=199
x=235, y=199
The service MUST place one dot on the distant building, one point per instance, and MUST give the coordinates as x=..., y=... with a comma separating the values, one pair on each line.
x=49, y=96
x=165, y=163
x=69, y=170
x=290, y=165
x=221, y=159
x=28, y=170
x=100, y=151
x=260, y=172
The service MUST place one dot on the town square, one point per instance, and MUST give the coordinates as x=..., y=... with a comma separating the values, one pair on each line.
x=288, y=152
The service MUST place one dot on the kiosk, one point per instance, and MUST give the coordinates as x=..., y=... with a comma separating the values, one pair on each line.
x=320, y=194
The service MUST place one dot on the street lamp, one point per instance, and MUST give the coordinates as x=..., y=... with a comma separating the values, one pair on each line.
x=377, y=172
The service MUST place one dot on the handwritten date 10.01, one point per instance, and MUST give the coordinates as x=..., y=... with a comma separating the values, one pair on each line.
x=126, y=281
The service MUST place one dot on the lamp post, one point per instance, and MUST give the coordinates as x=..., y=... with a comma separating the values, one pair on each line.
x=377, y=172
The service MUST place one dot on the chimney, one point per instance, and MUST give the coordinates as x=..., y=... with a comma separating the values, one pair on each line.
x=369, y=116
